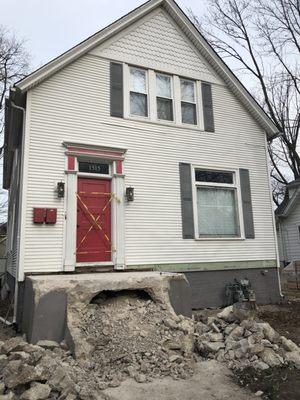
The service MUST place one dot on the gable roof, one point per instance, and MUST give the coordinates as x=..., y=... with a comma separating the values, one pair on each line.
x=191, y=32
x=291, y=198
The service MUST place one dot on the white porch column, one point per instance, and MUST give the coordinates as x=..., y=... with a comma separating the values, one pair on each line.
x=119, y=221
x=71, y=217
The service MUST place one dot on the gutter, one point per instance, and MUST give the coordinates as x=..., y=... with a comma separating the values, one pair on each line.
x=275, y=136
x=20, y=181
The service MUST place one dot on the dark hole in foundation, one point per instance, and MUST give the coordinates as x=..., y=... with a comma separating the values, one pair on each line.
x=107, y=295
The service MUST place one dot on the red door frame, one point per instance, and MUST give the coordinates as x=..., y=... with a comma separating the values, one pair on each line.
x=94, y=239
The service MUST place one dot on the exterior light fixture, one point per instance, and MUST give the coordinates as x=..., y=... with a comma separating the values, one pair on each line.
x=60, y=189
x=130, y=193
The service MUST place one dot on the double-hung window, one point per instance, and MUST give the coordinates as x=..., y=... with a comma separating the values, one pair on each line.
x=217, y=204
x=138, y=92
x=188, y=102
x=164, y=100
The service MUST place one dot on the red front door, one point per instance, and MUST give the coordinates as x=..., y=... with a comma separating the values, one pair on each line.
x=93, y=220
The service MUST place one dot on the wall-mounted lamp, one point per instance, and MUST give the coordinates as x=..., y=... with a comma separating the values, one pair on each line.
x=130, y=193
x=60, y=189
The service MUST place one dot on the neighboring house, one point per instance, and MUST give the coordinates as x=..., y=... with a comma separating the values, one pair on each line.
x=139, y=149
x=288, y=224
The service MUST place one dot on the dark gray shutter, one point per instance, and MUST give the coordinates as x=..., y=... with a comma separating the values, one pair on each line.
x=208, y=112
x=116, y=90
x=187, y=213
x=247, y=204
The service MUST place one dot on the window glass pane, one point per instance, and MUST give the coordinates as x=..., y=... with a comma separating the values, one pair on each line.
x=163, y=86
x=138, y=104
x=137, y=80
x=94, y=168
x=213, y=176
x=164, y=109
x=217, y=212
x=187, y=90
x=188, y=113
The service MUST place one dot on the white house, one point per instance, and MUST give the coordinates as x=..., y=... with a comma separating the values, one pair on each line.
x=140, y=149
x=288, y=224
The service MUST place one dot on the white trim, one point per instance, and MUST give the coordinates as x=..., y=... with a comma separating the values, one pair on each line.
x=93, y=146
x=95, y=264
x=117, y=218
x=234, y=186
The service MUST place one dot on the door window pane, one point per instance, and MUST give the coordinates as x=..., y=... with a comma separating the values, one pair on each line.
x=137, y=80
x=163, y=86
x=164, y=109
x=217, y=212
x=138, y=104
x=188, y=113
x=187, y=91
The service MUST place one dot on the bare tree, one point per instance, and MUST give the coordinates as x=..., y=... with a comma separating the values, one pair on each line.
x=261, y=42
x=14, y=65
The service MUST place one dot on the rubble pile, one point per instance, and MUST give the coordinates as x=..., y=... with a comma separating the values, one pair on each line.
x=242, y=343
x=133, y=336
x=37, y=372
x=130, y=335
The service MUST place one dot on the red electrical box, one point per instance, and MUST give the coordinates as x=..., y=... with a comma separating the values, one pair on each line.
x=39, y=215
x=51, y=215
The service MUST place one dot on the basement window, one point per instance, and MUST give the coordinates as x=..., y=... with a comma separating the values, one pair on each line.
x=216, y=203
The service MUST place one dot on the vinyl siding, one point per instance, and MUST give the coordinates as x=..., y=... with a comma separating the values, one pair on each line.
x=156, y=42
x=290, y=238
x=73, y=105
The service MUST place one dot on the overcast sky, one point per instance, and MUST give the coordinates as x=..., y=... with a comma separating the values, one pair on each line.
x=51, y=27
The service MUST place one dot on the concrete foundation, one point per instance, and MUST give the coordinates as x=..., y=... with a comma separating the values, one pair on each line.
x=51, y=302
x=208, y=287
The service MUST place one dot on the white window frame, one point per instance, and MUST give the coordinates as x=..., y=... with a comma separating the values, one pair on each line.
x=127, y=92
x=152, y=103
x=189, y=102
x=235, y=186
x=163, y=97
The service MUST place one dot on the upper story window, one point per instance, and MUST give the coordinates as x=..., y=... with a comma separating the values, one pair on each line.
x=154, y=96
x=188, y=102
x=164, y=97
x=138, y=92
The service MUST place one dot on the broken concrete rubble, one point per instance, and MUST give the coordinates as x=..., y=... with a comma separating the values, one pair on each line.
x=243, y=342
x=129, y=334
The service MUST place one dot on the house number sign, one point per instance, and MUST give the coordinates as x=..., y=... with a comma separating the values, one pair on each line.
x=93, y=168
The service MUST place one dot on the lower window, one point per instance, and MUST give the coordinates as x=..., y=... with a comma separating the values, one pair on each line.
x=216, y=204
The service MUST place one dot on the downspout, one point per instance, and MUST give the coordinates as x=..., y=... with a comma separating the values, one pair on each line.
x=273, y=218
x=20, y=177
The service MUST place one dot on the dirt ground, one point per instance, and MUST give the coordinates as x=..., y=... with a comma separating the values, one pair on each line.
x=277, y=383
x=211, y=381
